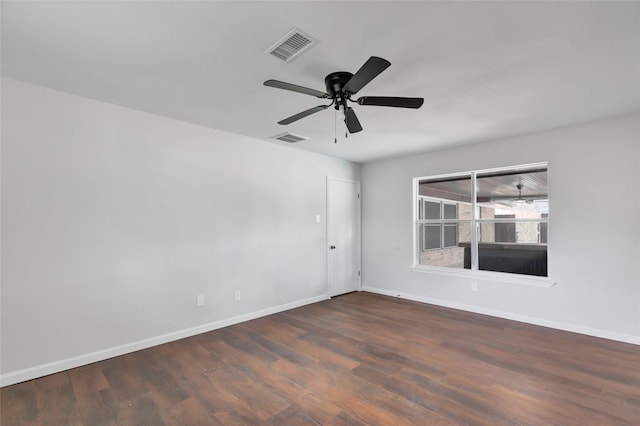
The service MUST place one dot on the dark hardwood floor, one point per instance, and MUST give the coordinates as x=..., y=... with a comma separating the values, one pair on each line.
x=359, y=359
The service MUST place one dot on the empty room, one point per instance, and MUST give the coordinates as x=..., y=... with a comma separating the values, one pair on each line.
x=320, y=212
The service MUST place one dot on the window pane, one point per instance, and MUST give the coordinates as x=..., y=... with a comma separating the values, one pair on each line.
x=451, y=189
x=431, y=210
x=525, y=253
x=431, y=237
x=450, y=235
x=521, y=193
x=433, y=254
x=450, y=211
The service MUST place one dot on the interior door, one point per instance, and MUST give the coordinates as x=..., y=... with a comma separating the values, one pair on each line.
x=343, y=230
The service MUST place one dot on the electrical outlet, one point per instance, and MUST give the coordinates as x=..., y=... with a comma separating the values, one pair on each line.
x=200, y=300
x=236, y=296
x=474, y=286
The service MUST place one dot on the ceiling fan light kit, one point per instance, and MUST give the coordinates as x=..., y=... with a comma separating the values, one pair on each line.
x=340, y=86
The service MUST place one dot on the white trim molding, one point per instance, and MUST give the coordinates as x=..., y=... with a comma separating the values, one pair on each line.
x=486, y=275
x=574, y=328
x=80, y=360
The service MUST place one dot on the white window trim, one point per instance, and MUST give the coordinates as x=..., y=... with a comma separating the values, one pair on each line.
x=504, y=277
x=474, y=273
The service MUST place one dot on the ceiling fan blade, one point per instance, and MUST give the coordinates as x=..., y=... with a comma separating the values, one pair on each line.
x=391, y=101
x=521, y=197
x=366, y=73
x=303, y=114
x=351, y=120
x=295, y=88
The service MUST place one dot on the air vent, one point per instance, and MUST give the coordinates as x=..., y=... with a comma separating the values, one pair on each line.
x=292, y=45
x=289, y=137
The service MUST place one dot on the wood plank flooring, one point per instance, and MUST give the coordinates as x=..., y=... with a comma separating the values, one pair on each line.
x=359, y=359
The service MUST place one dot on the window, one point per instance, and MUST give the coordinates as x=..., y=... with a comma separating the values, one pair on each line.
x=507, y=209
x=438, y=235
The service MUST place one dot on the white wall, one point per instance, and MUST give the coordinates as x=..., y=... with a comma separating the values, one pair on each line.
x=594, y=240
x=113, y=220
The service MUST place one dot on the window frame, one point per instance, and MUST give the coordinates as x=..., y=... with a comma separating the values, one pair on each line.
x=475, y=223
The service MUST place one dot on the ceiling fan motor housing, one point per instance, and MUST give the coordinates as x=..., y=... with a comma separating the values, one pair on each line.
x=335, y=83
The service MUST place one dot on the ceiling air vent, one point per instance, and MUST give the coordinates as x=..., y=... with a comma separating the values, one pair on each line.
x=292, y=45
x=289, y=137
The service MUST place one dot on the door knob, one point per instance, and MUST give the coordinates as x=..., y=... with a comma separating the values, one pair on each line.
x=332, y=247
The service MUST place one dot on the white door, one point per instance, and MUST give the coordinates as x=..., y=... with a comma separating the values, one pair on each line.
x=343, y=229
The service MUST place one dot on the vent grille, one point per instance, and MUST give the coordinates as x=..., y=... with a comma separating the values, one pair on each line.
x=289, y=137
x=292, y=45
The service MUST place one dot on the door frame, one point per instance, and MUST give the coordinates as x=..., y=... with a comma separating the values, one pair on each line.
x=358, y=225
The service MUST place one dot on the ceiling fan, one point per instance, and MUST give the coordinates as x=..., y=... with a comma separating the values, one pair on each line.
x=340, y=86
x=528, y=199
x=520, y=199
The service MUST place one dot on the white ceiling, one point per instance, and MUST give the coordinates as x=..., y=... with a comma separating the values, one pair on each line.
x=486, y=69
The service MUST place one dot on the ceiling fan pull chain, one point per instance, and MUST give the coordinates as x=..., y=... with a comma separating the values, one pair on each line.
x=346, y=129
x=335, y=127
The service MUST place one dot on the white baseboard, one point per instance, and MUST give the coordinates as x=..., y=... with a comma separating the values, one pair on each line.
x=80, y=360
x=620, y=337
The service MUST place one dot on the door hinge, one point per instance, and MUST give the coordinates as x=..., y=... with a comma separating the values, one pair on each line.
x=358, y=273
x=358, y=195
